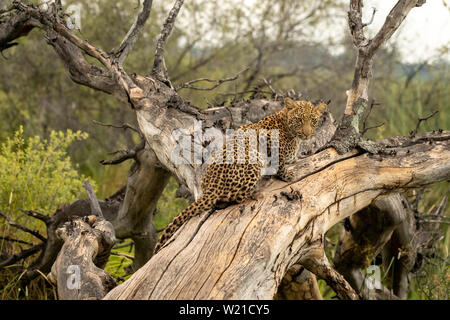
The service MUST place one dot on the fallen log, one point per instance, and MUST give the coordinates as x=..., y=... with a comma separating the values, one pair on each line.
x=244, y=251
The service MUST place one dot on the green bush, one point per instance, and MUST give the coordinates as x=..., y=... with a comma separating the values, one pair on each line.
x=35, y=174
x=38, y=174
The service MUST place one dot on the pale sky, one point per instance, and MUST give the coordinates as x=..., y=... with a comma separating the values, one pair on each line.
x=425, y=30
x=422, y=33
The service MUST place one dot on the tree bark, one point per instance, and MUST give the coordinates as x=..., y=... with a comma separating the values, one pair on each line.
x=78, y=269
x=243, y=251
x=364, y=236
x=298, y=284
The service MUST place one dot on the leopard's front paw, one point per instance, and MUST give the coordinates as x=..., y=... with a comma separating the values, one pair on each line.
x=285, y=175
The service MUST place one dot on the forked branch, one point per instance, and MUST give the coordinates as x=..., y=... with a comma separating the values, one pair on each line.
x=159, y=67
x=217, y=82
x=366, y=48
x=133, y=34
x=16, y=225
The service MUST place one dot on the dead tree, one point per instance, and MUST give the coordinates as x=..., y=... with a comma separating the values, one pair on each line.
x=244, y=251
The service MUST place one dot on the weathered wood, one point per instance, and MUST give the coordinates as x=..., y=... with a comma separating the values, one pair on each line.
x=415, y=240
x=363, y=237
x=145, y=184
x=243, y=251
x=77, y=270
x=298, y=284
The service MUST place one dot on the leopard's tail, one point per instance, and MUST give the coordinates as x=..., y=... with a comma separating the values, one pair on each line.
x=204, y=203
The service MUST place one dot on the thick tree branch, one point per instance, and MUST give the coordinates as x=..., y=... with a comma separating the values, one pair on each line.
x=317, y=263
x=81, y=71
x=16, y=225
x=159, y=67
x=348, y=135
x=393, y=21
x=78, y=270
x=23, y=18
x=133, y=34
x=243, y=251
x=366, y=49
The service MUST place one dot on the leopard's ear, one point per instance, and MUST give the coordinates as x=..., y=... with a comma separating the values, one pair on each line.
x=289, y=103
x=322, y=107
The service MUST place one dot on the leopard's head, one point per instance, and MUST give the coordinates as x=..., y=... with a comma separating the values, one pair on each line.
x=302, y=117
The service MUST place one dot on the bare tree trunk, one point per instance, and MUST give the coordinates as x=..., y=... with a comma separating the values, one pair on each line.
x=243, y=252
x=145, y=184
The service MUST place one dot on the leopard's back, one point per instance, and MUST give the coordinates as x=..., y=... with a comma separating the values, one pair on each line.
x=233, y=179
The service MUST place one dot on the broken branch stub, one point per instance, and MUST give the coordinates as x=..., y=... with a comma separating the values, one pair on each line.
x=77, y=271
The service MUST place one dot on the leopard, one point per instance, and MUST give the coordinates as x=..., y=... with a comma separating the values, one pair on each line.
x=234, y=181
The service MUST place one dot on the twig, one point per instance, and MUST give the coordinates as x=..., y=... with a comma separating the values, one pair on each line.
x=121, y=254
x=14, y=224
x=267, y=83
x=134, y=32
x=365, y=128
x=241, y=92
x=418, y=196
x=122, y=126
x=15, y=240
x=372, y=127
x=434, y=221
x=22, y=255
x=131, y=154
x=414, y=132
x=159, y=69
x=371, y=19
x=95, y=205
x=126, y=154
x=120, y=246
x=37, y=215
x=218, y=82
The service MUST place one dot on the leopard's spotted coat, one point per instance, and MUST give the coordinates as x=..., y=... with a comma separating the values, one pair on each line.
x=235, y=182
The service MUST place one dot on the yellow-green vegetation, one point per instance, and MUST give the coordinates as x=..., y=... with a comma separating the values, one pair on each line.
x=120, y=259
x=36, y=174
x=168, y=205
